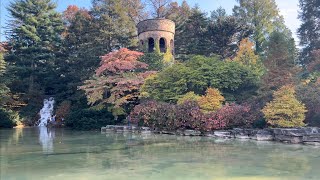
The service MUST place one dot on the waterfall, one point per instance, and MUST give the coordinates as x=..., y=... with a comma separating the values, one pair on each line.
x=46, y=112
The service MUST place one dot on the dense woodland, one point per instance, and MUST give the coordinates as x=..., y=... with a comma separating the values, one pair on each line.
x=230, y=70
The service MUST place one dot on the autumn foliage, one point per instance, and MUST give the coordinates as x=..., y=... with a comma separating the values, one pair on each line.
x=285, y=110
x=188, y=115
x=212, y=101
x=117, y=81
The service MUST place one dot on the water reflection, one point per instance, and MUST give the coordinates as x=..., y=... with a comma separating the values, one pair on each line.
x=46, y=138
x=56, y=153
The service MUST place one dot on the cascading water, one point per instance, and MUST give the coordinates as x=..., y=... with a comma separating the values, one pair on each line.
x=46, y=112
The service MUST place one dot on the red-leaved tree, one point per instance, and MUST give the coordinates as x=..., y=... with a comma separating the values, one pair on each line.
x=117, y=81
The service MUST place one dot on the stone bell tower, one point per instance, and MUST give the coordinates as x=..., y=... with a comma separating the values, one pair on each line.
x=156, y=35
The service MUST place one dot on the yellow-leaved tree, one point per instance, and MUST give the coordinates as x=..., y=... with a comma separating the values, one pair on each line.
x=246, y=56
x=285, y=110
x=212, y=101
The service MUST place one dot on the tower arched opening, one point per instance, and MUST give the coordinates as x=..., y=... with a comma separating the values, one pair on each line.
x=150, y=45
x=162, y=43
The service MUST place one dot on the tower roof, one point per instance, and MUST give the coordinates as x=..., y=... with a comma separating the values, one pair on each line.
x=159, y=24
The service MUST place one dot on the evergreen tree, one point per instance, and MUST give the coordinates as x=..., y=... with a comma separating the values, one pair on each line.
x=112, y=25
x=35, y=37
x=309, y=31
x=225, y=33
x=2, y=64
x=280, y=61
x=179, y=14
x=3, y=88
x=263, y=16
x=192, y=38
x=80, y=56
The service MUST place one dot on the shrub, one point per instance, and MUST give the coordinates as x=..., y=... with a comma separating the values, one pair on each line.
x=89, y=119
x=154, y=115
x=309, y=94
x=190, y=96
x=285, y=110
x=8, y=119
x=189, y=115
x=233, y=115
x=63, y=111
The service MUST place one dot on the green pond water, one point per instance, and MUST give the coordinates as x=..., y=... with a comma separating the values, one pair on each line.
x=59, y=154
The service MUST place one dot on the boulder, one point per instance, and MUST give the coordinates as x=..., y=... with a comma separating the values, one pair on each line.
x=241, y=133
x=264, y=135
x=191, y=132
x=168, y=132
x=224, y=134
x=209, y=134
x=311, y=130
x=103, y=129
x=179, y=132
x=289, y=132
x=291, y=139
x=134, y=128
x=145, y=129
x=311, y=138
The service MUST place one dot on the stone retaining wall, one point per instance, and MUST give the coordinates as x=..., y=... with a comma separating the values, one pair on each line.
x=307, y=135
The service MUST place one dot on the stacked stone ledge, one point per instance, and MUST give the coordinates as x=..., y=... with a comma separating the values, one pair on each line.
x=307, y=135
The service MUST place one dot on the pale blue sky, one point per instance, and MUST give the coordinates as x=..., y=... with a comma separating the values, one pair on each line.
x=288, y=8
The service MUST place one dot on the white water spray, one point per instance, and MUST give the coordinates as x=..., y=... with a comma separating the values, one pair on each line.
x=46, y=112
x=46, y=138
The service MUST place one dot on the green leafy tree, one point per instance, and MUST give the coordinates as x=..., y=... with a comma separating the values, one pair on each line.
x=285, y=110
x=196, y=75
x=309, y=31
x=263, y=16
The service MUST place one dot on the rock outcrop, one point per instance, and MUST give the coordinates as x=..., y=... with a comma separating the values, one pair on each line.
x=305, y=135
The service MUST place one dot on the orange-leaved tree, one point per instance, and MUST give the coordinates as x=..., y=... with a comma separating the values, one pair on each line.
x=285, y=110
x=117, y=81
